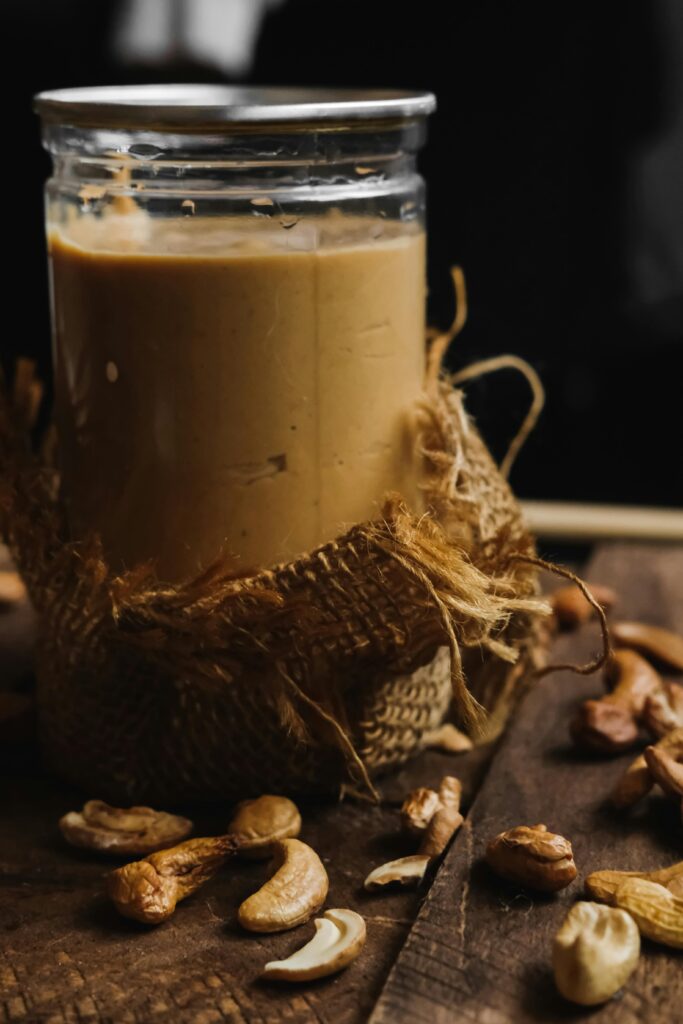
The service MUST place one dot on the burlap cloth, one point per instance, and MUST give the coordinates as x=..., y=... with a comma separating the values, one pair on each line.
x=315, y=674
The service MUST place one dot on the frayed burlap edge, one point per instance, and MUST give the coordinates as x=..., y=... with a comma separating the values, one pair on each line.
x=383, y=597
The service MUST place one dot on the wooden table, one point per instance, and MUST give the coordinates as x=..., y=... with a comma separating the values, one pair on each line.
x=470, y=948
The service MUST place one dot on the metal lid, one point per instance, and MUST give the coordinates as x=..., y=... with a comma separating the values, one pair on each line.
x=192, y=106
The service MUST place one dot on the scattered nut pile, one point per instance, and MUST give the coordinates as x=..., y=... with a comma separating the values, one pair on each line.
x=148, y=890
x=597, y=948
x=598, y=945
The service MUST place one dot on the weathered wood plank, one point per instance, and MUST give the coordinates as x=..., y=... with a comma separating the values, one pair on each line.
x=480, y=948
x=66, y=956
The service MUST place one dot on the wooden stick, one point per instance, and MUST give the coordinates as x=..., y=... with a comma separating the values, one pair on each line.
x=581, y=522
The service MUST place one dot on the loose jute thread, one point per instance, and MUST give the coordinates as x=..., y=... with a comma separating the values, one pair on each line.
x=316, y=674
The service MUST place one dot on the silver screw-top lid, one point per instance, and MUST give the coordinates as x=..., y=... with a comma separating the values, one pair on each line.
x=191, y=107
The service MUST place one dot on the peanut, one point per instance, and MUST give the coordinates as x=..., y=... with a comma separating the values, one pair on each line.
x=602, y=885
x=655, y=909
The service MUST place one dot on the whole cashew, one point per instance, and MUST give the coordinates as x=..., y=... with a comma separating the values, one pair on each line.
x=652, y=641
x=148, y=890
x=259, y=823
x=570, y=607
x=610, y=725
x=294, y=893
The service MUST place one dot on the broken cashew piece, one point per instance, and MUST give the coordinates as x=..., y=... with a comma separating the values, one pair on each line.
x=570, y=607
x=148, y=890
x=418, y=809
x=533, y=857
x=610, y=725
x=447, y=819
x=261, y=822
x=294, y=893
x=651, y=641
x=594, y=953
x=339, y=938
x=128, y=830
x=638, y=780
x=404, y=871
x=440, y=827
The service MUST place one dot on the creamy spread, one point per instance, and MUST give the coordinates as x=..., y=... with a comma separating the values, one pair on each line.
x=244, y=385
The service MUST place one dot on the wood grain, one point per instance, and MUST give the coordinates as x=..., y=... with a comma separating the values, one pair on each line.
x=480, y=948
x=67, y=957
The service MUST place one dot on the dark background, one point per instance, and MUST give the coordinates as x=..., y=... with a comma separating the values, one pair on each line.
x=555, y=174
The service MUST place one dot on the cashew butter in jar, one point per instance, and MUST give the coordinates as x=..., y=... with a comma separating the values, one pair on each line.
x=238, y=302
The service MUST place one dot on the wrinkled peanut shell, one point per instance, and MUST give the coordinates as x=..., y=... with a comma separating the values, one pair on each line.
x=602, y=885
x=655, y=909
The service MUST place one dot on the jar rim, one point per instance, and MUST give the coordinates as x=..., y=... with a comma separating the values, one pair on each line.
x=194, y=106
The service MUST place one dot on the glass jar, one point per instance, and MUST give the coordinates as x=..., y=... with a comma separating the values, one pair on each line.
x=238, y=300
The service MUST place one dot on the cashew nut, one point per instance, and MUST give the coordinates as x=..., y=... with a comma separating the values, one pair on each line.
x=447, y=819
x=116, y=830
x=448, y=739
x=259, y=823
x=533, y=857
x=666, y=770
x=594, y=953
x=148, y=890
x=663, y=711
x=434, y=816
x=339, y=938
x=404, y=871
x=652, y=641
x=12, y=589
x=418, y=809
x=610, y=725
x=638, y=780
x=570, y=607
x=294, y=893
